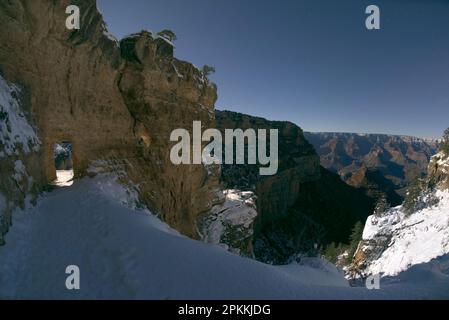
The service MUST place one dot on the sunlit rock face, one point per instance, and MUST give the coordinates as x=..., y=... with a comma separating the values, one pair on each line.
x=115, y=102
x=163, y=94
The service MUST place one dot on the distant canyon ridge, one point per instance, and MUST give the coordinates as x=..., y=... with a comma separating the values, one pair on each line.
x=382, y=164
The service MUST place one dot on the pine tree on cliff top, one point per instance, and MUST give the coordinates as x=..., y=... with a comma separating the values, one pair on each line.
x=207, y=70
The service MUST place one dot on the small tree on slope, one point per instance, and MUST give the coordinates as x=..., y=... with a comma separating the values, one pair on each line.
x=445, y=144
x=382, y=206
x=413, y=196
x=355, y=238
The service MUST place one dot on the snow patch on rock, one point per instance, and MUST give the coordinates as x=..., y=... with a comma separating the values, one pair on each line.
x=16, y=134
x=442, y=160
x=414, y=239
x=19, y=171
x=109, y=35
x=231, y=223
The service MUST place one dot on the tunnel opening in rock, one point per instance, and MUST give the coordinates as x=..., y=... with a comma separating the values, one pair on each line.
x=62, y=153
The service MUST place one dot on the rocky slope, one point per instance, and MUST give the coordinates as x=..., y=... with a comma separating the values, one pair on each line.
x=304, y=205
x=115, y=102
x=408, y=235
x=19, y=150
x=382, y=164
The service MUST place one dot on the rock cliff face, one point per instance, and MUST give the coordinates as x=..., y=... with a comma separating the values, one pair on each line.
x=115, y=102
x=298, y=163
x=275, y=194
x=163, y=94
x=19, y=153
x=382, y=164
x=304, y=205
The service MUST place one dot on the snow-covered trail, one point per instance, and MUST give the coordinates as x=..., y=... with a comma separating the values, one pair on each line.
x=122, y=253
x=129, y=254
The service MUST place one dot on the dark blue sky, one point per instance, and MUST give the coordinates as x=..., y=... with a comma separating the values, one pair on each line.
x=312, y=62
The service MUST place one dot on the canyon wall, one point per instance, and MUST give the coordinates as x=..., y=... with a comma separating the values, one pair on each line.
x=115, y=102
x=303, y=206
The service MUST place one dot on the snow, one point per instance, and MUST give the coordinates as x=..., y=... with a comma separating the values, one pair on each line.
x=15, y=131
x=153, y=35
x=233, y=219
x=320, y=272
x=21, y=175
x=109, y=35
x=165, y=39
x=442, y=161
x=20, y=171
x=106, y=32
x=62, y=149
x=130, y=254
x=64, y=178
x=176, y=71
x=415, y=239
